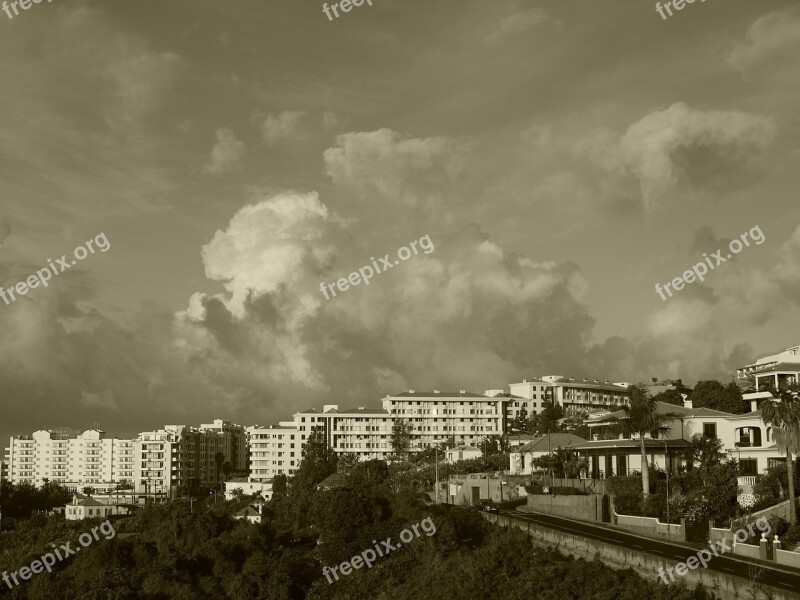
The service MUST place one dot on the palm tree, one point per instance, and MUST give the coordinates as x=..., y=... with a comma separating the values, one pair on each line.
x=784, y=416
x=641, y=417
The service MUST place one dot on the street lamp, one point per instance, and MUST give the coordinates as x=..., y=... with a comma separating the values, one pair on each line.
x=666, y=468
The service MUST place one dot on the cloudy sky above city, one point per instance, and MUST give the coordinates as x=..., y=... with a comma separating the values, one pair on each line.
x=564, y=158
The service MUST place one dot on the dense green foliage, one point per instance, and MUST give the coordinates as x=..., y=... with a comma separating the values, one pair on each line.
x=670, y=397
x=715, y=395
x=20, y=501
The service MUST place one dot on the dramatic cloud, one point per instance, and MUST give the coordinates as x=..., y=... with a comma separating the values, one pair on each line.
x=226, y=155
x=678, y=145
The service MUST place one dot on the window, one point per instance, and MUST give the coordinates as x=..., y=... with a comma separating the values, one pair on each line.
x=748, y=466
x=710, y=430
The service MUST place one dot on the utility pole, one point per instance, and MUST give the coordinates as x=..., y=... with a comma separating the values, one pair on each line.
x=666, y=468
x=436, y=462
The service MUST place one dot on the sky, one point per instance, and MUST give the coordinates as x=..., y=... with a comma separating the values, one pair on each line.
x=562, y=158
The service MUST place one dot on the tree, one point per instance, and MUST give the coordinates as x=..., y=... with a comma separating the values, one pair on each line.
x=712, y=394
x=707, y=451
x=401, y=437
x=318, y=460
x=347, y=462
x=279, y=485
x=219, y=459
x=520, y=423
x=670, y=397
x=227, y=468
x=784, y=416
x=547, y=420
x=640, y=418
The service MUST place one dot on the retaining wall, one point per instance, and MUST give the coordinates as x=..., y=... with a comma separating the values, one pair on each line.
x=788, y=558
x=587, y=508
x=651, y=527
x=723, y=585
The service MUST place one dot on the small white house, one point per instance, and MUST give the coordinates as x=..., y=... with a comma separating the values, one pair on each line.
x=463, y=453
x=522, y=458
x=248, y=486
x=251, y=512
x=89, y=508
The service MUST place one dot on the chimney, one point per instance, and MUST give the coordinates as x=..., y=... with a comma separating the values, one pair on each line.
x=524, y=381
x=686, y=402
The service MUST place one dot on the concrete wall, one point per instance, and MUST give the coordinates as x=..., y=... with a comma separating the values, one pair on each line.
x=788, y=558
x=715, y=534
x=594, y=486
x=463, y=485
x=724, y=585
x=779, y=510
x=747, y=550
x=587, y=508
x=650, y=527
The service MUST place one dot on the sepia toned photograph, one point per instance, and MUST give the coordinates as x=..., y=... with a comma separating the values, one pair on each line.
x=383, y=300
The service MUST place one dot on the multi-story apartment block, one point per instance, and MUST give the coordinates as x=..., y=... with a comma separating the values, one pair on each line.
x=177, y=458
x=235, y=441
x=366, y=432
x=273, y=450
x=3, y=471
x=530, y=394
x=437, y=416
x=75, y=460
x=573, y=395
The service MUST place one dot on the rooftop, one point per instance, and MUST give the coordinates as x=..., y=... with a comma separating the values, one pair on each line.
x=438, y=394
x=655, y=444
x=663, y=408
x=550, y=442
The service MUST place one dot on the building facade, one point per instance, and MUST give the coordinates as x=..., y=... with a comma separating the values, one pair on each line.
x=575, y=396
x=72, y=459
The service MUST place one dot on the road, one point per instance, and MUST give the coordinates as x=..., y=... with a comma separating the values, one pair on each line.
x=671, y=552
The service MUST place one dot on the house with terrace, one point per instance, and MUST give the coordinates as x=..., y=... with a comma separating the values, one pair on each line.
x=744, y=437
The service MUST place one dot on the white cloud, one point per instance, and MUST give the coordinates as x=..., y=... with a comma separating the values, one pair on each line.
x=773, y=38
x=227, y=153
x=650, y=148
x=284, y=126
x=515, y=24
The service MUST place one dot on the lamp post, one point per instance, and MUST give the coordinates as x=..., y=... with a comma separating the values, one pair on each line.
x=666, y=468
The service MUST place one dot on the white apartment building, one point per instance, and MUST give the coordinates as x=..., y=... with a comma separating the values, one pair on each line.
x=367, y=431
x=530, y=394
x=573, y=395
x=74, y=460
x=274, y=449
x=436, y=416
x=172, y=460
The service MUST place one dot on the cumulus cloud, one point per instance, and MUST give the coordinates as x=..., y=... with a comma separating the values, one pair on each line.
x=678, y=145
x=227, y=154
x=285, y=126
x=385, y=165
x=515, y=24
x=773, y=38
